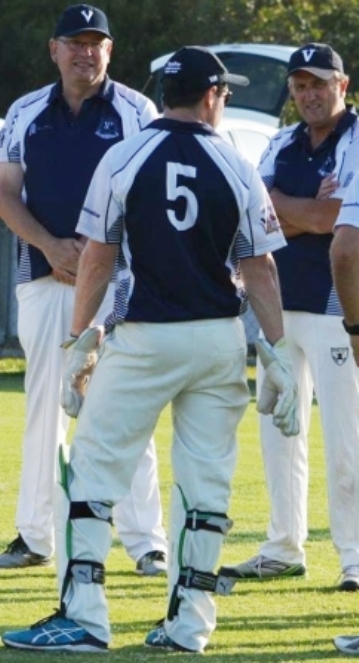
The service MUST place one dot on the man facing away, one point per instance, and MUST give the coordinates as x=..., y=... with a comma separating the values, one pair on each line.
x=185, y=212
x=307, y=169
x=52, y=142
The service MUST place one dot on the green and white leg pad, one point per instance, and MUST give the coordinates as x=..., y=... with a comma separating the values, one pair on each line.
x=83, y=539
x=196, y=538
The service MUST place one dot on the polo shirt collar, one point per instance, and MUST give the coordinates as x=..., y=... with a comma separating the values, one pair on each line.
x=106, y=91
x=345, y=122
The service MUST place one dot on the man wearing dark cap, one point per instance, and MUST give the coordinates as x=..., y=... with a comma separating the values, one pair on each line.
x=173, y=336
x=307, y=170
x=51, y=144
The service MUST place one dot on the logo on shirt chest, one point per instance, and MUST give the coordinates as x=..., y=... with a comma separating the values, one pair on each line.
x=327, y=167
x=34, y=128
x=108, y=129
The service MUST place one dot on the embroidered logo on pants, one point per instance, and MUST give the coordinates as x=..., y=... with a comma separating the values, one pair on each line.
x=339, y=355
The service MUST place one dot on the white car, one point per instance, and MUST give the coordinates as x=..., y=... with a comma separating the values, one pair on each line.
x=253, y=114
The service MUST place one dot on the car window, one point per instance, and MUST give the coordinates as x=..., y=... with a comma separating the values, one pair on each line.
x=267, y=90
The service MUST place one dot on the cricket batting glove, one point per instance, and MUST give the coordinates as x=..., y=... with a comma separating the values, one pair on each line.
x=278, y=395
x=80, y=362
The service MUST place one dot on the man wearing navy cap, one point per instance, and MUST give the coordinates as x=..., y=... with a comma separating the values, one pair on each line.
x=307, y=169
x=173, y=336
x=51, y=144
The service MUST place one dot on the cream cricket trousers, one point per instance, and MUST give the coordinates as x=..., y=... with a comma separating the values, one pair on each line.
x=44, y=320
x=200, y=367
x=320, y=352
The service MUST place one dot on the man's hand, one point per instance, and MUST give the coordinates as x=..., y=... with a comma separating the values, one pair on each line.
x=327, y=186
x=279, y=390
x=63, y=255
x=80, y=363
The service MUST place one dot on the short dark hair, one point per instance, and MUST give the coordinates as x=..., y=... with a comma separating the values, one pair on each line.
x=176, y=100
x=173, y=99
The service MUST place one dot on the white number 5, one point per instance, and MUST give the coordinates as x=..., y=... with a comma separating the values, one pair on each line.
x=174, y=191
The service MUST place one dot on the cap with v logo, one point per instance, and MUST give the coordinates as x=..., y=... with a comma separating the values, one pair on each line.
x=319, y=59
x=82, y=18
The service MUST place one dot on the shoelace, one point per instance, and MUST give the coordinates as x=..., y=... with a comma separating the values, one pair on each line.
x=17, y=544
x=157, y=555
x=55, y=615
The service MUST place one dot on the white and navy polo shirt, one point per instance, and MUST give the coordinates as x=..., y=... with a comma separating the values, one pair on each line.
x=292, y=166
x=59, y=152
x=185, y=208
x=349, y=211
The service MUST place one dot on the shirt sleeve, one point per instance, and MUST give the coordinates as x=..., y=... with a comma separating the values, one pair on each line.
x=102, y=214
x=260, y=225
x=349, y=211
x=266, y=166
x=346, y=167
x=10, y=142
x=148, y=114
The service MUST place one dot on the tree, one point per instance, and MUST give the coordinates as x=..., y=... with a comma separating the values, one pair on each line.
x=145, y=29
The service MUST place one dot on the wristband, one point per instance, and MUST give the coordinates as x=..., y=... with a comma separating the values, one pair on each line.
x=353, y=330
x=75, y=336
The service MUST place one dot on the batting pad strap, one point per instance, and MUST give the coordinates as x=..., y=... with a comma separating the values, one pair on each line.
x=86, y=571
x=208, y=520
x=91, y=510
x=204, y=581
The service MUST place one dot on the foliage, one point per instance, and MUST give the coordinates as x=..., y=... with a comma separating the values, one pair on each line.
x=146, y=29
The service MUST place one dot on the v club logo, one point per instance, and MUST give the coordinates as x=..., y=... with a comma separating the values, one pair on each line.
x=308, y=54
x=87, y=14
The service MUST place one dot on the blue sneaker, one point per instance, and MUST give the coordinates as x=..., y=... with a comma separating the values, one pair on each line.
x=55, y=633
x=158, y=639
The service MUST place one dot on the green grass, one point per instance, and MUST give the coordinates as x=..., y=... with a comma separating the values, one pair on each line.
x=285, y=620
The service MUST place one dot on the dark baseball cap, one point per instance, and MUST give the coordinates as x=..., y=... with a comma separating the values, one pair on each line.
x=82, y=18
x=195, y=68
x=319, y=59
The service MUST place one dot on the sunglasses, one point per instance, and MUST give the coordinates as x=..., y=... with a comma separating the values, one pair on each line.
x=227, y=96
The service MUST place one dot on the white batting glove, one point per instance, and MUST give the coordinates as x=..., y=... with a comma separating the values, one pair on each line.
x=80, y=362
x=278, y=394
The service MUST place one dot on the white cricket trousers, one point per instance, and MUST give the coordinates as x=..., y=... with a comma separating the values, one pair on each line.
x=44, y=320
x=200, y=367
x=320, y=352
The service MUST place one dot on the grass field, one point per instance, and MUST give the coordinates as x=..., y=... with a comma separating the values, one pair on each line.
x=282, y=620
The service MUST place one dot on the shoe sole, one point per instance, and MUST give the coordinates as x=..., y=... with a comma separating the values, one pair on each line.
x=28, y=565
x=229, y=572
x=154, y=572
x=71, y=648
x=173, y=650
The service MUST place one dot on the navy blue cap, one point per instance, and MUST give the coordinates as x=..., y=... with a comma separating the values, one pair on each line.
x=82, y=18
x=319, y=59
x=195, y=68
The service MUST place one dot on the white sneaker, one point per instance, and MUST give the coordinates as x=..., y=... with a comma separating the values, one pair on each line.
x=350, y=579
x=154, y=563
x=262, y=567
x=347, y=644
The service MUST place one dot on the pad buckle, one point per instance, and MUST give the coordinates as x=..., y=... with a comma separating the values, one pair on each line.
x=207, y=520
x=86, y=571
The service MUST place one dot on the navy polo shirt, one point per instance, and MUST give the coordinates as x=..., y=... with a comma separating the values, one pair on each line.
x=185, y=208
x=304, y=264
x=61, y=153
